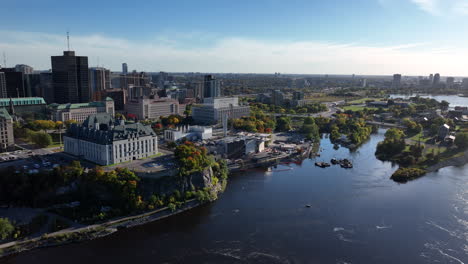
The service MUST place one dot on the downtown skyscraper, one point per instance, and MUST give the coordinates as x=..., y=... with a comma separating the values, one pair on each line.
x=211, y=87
x=70, y=77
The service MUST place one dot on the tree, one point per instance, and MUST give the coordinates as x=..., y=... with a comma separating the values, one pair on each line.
x=283, y=123
x=59, y=124
x=69, y=122
x=41, y=139
x=461, y=140
x=6, y=228
x=191, y=158
x=412, y=127
x=119, y=116
x=335, y=133
x=394, y=134
x=310, y=129
x=444, y=105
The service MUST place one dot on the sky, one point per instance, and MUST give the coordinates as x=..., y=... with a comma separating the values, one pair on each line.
x=411, y=37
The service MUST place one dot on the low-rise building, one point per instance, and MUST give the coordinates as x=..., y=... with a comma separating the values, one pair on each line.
x=104, y=140
x=190, y=132
x=80, y=112
x=444, y=131
x=213, y=110
x=147, y=108
x=238, y=146
x=7, y=140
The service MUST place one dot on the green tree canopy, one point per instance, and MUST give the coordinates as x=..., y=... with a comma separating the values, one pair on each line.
x=6, y=228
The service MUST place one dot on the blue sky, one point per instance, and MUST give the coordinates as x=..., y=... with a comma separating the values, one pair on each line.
x=296, y=36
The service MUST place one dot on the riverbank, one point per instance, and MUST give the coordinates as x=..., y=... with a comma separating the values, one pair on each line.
x=91, y=232
x=407, y=174
x=455, y=161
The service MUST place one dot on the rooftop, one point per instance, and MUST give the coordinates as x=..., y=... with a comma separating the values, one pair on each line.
x=22, y=101
x=81, y=105
x=103, y=129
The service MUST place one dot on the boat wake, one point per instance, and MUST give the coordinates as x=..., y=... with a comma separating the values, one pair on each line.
x=383, y=227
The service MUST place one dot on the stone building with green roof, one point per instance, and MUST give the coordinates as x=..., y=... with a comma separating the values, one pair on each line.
x=104, y=140
x=80, y=112
x=23, y=105
x=7, y=140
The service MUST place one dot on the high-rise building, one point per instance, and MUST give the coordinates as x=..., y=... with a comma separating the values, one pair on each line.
x=298, y=95
x=161, y=79
x=277, y=97
x=436, y=80
x=214, y=110
x=195, y=89
x=364, y=83
x=124, y=68
x=47, y=87
x=450, y=82
x=99, y=81
x=32, y=85
x=211, y=87
x=25, y=69
x=3, y=90
x=14, y=82
x=124, y=81
x=431, y=78
x=464, y=84
x=70, y=77
x=396, y=81
x=119, y=96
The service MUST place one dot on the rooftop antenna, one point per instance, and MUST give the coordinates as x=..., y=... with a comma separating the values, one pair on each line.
x=68, y=40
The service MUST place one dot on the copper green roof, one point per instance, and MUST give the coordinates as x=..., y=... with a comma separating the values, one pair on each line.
x=81, y=105
x=4, y=102
x=4, y=114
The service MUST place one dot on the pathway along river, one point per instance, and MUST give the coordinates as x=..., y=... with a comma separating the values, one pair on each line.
x=356, y=216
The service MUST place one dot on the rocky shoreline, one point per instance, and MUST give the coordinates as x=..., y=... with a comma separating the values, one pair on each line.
x=457, y=161
x=91, y=232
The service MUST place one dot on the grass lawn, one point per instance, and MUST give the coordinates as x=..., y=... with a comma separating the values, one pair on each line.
x=420, y=137
x=356, y=107
x=363, y=100
x=322, y=98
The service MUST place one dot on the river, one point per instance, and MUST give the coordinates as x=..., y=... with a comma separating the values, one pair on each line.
x=454, y=100
x=357, y=215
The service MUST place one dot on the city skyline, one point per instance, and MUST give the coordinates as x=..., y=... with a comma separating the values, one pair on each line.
x=369, y=37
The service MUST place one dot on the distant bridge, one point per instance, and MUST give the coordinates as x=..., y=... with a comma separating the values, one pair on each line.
x=383, y=124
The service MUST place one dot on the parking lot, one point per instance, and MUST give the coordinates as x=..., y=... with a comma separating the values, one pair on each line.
x=33, y=161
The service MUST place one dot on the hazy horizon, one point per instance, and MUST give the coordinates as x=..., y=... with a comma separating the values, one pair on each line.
x=365, y=37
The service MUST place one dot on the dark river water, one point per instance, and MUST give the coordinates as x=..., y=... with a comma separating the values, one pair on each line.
x=356, y=216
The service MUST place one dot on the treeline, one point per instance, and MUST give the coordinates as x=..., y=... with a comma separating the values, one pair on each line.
x=256, y=122
x=98, y=195
x=271, y=108
x=394, y=148
x=354, y=128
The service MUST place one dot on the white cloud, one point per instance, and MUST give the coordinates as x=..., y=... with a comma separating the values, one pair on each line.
x=237, y=55
x=443, y=7
x=430, y=6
